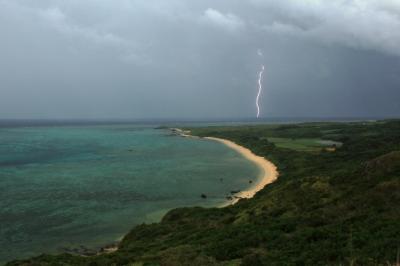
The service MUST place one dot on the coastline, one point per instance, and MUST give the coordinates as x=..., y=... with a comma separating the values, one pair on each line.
x=268, y=171
x=212, y=235
x=268, y=174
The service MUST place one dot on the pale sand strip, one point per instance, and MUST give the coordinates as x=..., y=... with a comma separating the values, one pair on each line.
x=268, y=171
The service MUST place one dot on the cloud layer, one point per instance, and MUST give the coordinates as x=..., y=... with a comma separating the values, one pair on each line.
x=227, y=21
x=179, y=58
x=366, y=24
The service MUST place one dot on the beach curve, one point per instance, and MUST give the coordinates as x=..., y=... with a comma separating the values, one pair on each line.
x=268, y=174
x=268, y=171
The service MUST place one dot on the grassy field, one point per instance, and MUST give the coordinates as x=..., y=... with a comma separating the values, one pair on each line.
x=299, y=144
x=328, y=207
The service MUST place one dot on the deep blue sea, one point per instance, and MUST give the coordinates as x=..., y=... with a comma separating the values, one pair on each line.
x=66, y=186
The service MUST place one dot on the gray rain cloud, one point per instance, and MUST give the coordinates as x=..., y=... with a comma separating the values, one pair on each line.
x=198, y=59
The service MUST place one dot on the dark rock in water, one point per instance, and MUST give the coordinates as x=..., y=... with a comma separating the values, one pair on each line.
x=204, y=196
x=130, y=150
x=229, y=198
x=67, y=250
x=250, y=181
x=235, y=191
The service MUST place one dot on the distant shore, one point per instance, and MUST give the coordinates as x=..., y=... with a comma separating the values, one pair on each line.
x=268, y=171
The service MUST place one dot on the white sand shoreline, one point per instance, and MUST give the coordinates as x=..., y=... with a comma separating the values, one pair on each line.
x=268, y=171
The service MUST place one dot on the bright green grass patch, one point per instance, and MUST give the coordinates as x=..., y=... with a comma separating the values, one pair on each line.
x=313, y=144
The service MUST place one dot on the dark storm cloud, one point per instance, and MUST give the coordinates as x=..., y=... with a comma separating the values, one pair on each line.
x=183, y=59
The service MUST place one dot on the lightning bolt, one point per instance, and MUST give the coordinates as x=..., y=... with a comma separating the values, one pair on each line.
x=260, y=77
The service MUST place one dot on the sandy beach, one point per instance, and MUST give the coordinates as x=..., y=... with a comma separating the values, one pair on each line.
x=268, y=171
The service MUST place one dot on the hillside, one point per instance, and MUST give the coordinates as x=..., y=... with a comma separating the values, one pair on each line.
x=336, y=202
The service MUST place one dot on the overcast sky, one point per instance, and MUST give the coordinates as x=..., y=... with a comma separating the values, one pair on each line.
x=198, y=59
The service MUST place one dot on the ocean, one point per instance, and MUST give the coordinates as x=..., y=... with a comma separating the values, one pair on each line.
x=66, y=186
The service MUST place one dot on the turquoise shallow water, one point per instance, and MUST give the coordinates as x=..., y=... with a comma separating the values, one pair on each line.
x=88, y=185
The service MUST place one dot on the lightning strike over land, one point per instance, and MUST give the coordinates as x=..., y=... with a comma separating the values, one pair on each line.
x=260, y=77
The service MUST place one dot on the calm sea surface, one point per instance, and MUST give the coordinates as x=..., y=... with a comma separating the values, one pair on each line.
x=66, y=186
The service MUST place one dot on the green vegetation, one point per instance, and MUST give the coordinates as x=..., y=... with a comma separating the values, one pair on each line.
x=301, y=144
x=338, y=207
